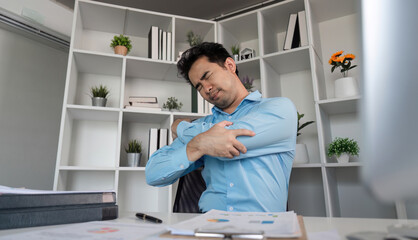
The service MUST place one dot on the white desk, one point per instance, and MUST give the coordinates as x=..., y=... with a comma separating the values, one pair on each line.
x=344, y=226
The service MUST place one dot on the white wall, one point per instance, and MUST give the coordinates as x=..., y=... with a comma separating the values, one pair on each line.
x=32, y=79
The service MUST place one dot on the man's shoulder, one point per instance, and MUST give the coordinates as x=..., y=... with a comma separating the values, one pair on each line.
x=277, y=102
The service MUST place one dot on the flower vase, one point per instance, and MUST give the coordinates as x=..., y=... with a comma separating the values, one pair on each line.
x=346, y=87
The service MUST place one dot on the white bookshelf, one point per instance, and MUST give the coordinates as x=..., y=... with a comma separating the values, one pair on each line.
x=91, y=153
x=92, y=139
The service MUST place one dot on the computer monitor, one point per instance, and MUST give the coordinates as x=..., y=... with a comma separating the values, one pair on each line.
x=389, y=107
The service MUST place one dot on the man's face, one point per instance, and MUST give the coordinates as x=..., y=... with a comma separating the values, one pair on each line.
x=216, y=84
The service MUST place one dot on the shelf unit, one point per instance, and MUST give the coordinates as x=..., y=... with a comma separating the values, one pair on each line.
x=91, y=152
x=92, y=139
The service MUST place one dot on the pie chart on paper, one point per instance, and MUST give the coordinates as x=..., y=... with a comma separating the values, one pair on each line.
x=218, y=220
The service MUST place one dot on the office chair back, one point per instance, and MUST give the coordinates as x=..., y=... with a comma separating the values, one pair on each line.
x=189, y=190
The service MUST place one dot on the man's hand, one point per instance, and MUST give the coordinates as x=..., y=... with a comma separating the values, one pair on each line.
x=218, y=142
x=175, y=124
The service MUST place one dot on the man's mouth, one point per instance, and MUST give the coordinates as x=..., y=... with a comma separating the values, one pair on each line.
x=214, y=95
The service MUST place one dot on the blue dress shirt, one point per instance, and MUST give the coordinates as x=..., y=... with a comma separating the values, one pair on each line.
x=256, y=181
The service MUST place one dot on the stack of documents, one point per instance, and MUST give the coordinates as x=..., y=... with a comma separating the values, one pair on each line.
x=270, y=225
x=28, y=208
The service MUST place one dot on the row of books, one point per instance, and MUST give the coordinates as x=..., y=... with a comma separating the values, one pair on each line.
x=29, y=208
x=158, y=138
x=159, y=44
x=296, y=34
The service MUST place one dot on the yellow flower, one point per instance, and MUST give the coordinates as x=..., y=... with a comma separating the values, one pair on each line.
x=350, y=56
x=340, y=59
x=337, y=54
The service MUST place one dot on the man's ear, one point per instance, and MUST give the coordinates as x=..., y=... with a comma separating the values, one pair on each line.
x=230, y=65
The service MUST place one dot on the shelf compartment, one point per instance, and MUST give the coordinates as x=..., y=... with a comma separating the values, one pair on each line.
x=306, y=192
x=340, y=106
x=137, y=26
x=290, y=61
x=350, y=198
x=90, y=138
x=344, y=125
x=203, y=28
x=89, y=70
x=275, y=21
x=96, y=24
x=159, y=88
x=151, y=69
x=86, y=180
x=250, y=68
x=242, y=30
x=135, y=195
x=136, y=126
x=327, y=17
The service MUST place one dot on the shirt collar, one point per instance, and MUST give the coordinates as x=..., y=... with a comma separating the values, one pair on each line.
x=252, y=97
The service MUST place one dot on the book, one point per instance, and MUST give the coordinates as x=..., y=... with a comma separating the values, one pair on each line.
x=160, y=40
x=144, y=104
x=169, y=47
x=154, y=109
x=164, y=45
x=31, y=217
x=143, y=99
x=153, y=141
x=194, y=94
x=302, y=28
x=162, y=137
x=153, y=42
x=52, y=198
x=291, y=27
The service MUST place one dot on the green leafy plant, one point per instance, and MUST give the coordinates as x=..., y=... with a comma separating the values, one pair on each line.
x=343, y=145
x=99, y=91
x=121, y=40
x=172, y=103
x=247, y=82
x=300, y=116
x=134, y=146
x=193, y=39
x=235, y=49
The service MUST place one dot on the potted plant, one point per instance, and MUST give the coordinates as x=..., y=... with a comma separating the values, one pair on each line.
x=345, y=86
x=134, y=150
x=99, y=95
x=193, y=39
x=248, y=83
x=172, y=104
x=121, y=44
x=342, y=148
x=235, y=52
x=301, y=151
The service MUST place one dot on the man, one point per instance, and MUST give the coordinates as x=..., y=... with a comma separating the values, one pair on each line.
x=246, y=146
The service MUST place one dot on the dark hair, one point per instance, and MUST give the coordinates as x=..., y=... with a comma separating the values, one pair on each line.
x=215, y=53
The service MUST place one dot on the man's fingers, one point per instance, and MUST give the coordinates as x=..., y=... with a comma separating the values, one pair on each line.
x=240, y=147
x=243, y=132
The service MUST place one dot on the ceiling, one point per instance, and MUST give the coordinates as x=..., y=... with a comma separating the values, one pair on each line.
x=203, y=9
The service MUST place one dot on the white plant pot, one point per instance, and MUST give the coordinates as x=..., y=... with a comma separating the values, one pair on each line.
x=134, y=159
x=343, y=158
x=346, y=87
x=301, y=154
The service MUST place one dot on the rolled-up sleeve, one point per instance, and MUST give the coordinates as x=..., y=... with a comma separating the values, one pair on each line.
x=168, y=164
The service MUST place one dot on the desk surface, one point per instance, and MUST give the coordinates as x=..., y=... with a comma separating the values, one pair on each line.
x=344, y=226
